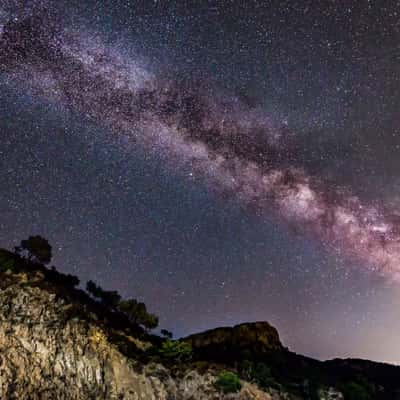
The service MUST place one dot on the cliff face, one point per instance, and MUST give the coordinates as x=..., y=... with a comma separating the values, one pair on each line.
x=255, y=338
x=58, y=343
x=47, y=353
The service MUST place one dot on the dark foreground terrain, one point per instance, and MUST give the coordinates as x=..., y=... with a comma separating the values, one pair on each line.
x=59, y=342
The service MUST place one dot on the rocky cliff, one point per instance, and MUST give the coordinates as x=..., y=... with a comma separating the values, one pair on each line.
x=49, y=352
x=56, y=342
x=257, y=338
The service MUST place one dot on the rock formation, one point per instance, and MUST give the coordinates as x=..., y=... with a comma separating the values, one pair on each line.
x=47, y=353
x=254, y=338
x=57, y=343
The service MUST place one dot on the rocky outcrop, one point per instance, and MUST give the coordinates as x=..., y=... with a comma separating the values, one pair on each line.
x=48, y=353
x=255, y=338
x=58, y=343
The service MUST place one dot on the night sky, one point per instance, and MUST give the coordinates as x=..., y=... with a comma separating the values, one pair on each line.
x=223, y=161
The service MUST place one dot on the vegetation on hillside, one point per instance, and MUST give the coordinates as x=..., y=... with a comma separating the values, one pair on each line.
x=36, y=248
x=176, y=351
x=228, y=382
x=127, y=320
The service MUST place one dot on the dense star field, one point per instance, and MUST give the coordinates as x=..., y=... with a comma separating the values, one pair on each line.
x=223, y=161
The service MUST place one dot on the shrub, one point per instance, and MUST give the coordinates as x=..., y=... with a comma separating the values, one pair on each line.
x=246, y=368
x=355, y=391
x=228, y=382
x=259, y=373
x=176, y=350
x=311, y=389
x=262, y=375
x=6, y=263
x=202, y=366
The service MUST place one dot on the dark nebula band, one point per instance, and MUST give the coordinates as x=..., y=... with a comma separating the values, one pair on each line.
x=234, y=145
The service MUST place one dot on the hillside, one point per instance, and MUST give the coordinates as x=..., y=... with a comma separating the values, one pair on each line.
x=57, y=342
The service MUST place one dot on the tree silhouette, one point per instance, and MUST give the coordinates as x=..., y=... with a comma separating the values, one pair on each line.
x=93, y=289
x=150, y=321
x=109, y=298
x=167, y=334
x=37, y=248
x=176, y=350
x=137, y=312
x=66, y=280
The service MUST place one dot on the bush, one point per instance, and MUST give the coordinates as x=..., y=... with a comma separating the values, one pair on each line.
x=228, y=382
x=311, y=390
x=355, y=391
x=202, y=367
x=259, y=373
x=176, y=350
x=6, y=263
x=262, y=375
x=246, y=369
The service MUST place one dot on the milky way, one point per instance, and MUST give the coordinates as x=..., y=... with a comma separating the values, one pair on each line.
x=236, y=146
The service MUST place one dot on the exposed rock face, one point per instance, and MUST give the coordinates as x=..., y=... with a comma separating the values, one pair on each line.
x=255, y=337
x=46, y=355
x=58, y=343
